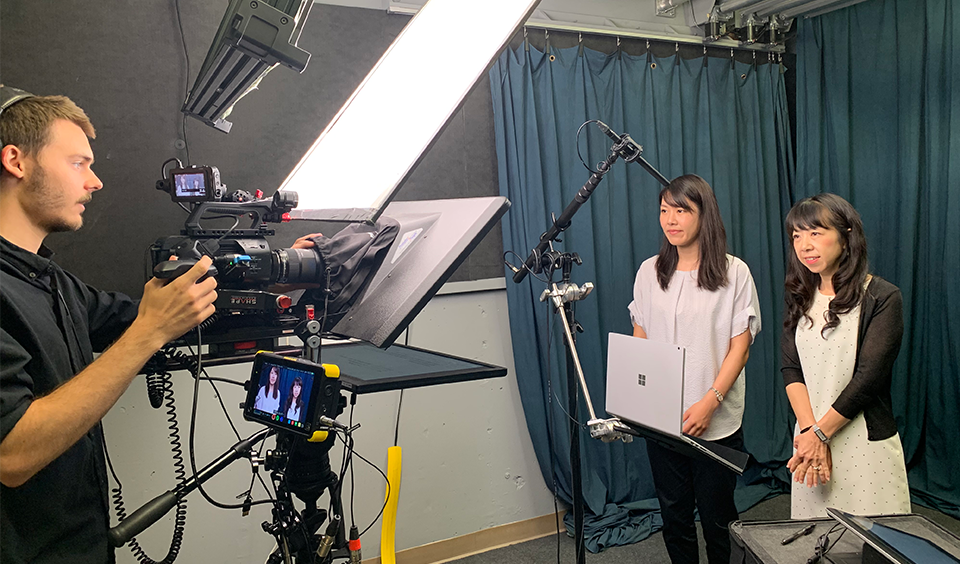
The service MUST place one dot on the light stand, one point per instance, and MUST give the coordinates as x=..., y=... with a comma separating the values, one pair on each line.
x=562, y=295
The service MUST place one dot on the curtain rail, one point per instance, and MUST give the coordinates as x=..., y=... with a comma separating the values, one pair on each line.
x=653, y=36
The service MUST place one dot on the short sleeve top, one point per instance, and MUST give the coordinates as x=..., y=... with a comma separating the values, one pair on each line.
x=703, y=322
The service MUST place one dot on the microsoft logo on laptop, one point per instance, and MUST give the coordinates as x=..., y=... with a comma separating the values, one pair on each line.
x=642, y=379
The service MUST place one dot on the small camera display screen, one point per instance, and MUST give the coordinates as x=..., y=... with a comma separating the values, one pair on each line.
x=284, y=393
x=190, y=185
x=194, y=184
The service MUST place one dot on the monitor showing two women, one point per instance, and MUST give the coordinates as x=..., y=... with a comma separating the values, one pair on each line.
x=283, y=392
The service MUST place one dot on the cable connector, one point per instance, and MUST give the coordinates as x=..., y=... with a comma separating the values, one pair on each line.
x=326, y=541
x=354, y=545
x=247, y=503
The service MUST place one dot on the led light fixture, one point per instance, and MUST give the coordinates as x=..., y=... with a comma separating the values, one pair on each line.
x=362, y=157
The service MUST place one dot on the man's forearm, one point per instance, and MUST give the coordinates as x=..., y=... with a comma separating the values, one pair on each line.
x=55, y=422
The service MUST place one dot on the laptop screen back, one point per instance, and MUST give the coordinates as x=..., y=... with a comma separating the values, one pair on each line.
x=645, y=382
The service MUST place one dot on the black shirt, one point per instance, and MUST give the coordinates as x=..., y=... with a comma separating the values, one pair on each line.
x=878, y=344
x=51, y=323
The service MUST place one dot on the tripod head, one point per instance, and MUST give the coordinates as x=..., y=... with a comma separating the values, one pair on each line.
x=301, y=468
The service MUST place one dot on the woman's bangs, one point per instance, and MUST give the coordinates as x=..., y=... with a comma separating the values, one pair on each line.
x=674, y=197
x=808, y=215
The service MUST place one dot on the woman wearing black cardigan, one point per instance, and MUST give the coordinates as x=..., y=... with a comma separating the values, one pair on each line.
x=842, y=333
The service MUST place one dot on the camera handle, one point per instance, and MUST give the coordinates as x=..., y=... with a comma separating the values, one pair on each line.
x=275, y=210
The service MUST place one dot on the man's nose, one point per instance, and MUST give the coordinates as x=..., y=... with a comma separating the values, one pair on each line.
x=93, y=182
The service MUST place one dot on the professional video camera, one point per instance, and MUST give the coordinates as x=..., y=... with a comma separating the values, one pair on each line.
x=251, y=306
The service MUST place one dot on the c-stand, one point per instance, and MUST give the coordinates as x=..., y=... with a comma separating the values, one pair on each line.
x=562, y=295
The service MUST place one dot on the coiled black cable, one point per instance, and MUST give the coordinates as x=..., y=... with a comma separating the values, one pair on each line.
x=205, y=324
x=160, y=383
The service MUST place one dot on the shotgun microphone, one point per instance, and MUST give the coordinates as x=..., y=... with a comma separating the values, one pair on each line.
x=626, y=147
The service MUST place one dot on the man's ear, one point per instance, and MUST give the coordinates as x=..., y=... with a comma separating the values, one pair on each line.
x=12, y=160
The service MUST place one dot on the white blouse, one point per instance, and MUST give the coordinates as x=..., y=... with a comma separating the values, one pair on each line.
x=703, y=322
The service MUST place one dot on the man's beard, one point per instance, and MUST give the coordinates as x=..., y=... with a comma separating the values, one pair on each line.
x=42, y=199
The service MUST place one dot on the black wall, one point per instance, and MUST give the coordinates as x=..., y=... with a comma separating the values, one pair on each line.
x=123, y=62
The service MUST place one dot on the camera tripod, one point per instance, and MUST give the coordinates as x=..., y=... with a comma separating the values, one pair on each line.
x=302, y=468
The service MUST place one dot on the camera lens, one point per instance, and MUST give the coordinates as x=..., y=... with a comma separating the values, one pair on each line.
x=298, y=266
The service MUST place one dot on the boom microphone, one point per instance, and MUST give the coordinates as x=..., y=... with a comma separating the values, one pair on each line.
x=626, y=147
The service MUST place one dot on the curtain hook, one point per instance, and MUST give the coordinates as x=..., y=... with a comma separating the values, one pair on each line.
x=525, y=34
x=618, y=43
x=648, y=44
x=754, y=57
x=731, y=53
x=704, y=50
x=677, y=47
x=580, y=38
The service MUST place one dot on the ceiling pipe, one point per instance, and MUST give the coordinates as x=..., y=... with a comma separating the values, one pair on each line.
x=731, y=6
x=817, y=7
x=771, y=7
x=664, y=6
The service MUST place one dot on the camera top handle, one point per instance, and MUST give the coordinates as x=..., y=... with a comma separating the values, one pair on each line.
x=261, y=211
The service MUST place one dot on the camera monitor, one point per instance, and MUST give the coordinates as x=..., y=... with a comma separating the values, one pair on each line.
x=290, y=394
x=362, y=157
x=195, y=184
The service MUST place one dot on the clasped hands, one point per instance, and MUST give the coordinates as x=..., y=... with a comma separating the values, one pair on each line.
x=811, y=462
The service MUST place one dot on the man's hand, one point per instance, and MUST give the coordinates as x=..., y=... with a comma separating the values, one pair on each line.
x=168, y=310
x=53, y=423
x=305, y=242
x=696, y=420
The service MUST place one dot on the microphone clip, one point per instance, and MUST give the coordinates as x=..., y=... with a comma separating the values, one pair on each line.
x=623, y=145
x=628, y=149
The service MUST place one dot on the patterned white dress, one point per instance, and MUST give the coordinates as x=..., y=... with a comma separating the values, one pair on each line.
x=868, y=477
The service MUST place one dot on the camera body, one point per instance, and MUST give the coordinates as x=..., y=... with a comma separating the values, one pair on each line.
x=246, y=266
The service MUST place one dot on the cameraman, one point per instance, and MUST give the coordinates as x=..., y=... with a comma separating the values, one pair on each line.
x=53, y=503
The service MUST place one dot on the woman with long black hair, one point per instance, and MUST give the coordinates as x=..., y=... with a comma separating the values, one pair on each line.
x=294, y=403
x=268, y=398
x=842, y=332
x=695, y=295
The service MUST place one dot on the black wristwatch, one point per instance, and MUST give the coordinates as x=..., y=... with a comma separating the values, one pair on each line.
x=820, y=434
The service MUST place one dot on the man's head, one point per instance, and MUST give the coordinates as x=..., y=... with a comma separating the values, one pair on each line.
x=45, y=174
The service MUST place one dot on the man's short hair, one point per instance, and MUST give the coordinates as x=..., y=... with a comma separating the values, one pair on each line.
x=26, y=124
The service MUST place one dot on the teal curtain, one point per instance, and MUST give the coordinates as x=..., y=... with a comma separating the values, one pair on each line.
x=724, y=120
x=878, y=100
